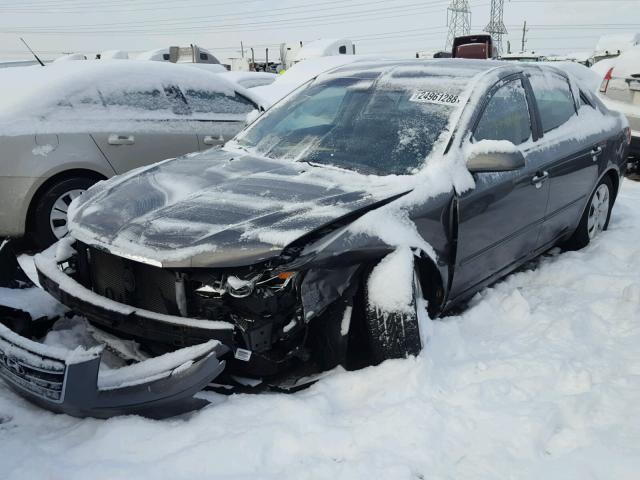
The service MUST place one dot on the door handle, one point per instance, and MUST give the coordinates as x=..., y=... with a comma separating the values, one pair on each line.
x=121, y=139
x=596, y=152
x=211, y=140
x=540, y=178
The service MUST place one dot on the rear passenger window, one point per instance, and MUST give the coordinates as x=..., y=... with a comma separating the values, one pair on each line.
x=554, y=99
x=203, y=101
x=506, y=116
x=139, y=100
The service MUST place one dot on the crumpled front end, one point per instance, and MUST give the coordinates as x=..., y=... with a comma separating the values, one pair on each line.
x=266, y=316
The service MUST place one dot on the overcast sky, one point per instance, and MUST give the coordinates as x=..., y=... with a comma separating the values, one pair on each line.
x=390, y=27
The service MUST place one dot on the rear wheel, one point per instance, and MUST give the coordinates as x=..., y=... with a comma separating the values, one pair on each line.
x=595, y=218
x=50, y=222
x=396, y=334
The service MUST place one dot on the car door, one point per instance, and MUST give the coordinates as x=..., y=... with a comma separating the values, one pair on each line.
x=500, y=219
x=217, y=116
x=148, y=126
x=569, y=161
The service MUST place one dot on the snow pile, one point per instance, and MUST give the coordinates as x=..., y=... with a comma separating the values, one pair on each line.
x=537, y=379
x=390, y=284
x=484, y=147
x=155, y=368
x=628, y=64
x=32, y=301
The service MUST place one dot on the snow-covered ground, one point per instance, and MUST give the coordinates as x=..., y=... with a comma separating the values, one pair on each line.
x=538, y=379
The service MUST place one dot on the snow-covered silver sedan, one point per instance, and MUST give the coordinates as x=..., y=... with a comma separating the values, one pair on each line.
x=66, y=126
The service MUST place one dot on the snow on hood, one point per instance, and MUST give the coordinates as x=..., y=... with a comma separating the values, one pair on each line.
x=219, y=208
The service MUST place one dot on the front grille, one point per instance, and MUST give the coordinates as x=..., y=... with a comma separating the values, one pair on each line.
x=132, y=283
x=46, y=382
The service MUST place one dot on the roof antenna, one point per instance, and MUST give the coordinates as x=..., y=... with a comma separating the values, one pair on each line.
x=32, y=52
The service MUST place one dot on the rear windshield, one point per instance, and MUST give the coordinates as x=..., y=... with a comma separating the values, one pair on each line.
x=382, y=126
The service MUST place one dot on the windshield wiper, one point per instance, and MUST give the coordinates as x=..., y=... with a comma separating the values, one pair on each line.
x=309, y=162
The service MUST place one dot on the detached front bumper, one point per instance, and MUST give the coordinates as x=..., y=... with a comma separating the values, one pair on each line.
x=70, y=382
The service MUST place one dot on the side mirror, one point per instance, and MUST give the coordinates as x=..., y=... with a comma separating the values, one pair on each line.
x=500, y=161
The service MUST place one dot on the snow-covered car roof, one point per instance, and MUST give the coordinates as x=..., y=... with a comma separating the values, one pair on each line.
x=323, y=47
x=35, y=91
x=620, y=41
x=586, y=77
x=628, y=63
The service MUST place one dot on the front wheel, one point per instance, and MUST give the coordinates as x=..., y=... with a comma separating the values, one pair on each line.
x=595, y=218
x=396, y=334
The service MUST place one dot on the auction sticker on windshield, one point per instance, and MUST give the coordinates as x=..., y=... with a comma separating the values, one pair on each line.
x=430, y=96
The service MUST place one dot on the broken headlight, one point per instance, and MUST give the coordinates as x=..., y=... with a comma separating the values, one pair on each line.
x=243, y=287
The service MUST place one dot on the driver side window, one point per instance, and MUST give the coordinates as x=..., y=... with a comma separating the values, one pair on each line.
x=506, y=116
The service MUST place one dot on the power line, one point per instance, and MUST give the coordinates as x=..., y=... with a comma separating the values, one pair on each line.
x=114, y=7
x=237, y=15
x=227, y=28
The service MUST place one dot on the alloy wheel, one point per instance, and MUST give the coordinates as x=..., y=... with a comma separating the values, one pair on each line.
x=598, y=211
x=58, y=214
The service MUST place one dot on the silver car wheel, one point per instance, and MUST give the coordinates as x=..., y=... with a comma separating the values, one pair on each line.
x=598, y=211
x=58, y=214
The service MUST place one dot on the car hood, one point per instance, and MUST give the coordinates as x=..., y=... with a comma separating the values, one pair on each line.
x=219, y=208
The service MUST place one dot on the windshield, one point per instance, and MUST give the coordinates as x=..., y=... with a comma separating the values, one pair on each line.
x=382, y=125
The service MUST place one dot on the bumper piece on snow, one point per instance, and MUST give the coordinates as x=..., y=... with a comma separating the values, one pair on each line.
x=70, y=382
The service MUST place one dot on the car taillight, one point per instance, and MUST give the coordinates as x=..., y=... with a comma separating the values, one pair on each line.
x=605, y=81
x=627, y=133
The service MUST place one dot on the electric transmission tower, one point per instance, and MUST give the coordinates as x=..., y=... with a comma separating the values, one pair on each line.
x=458, y=20
x=496, y=25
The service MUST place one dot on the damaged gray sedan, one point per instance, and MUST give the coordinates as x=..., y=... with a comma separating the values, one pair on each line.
x=327, y=231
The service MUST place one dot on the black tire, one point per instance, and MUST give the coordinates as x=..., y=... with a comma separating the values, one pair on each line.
x=393, y=334
x=41, y=231
x=581, y=237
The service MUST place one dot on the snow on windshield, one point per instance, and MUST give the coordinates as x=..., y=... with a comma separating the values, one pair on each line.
x=380, y=123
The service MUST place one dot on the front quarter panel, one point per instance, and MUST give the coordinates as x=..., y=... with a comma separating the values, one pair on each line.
x=351, y=245
x=28, y=161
